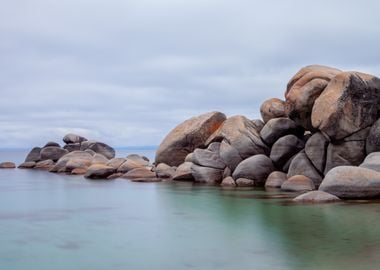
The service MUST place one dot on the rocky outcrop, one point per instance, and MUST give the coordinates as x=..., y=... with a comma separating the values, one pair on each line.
x=44, y=164
x=7, y=165
x=132, y=162
x=349, y=103
x=187, y=136
x=272, y=108
x=349, y=182
x=52, y=152
x=143, y=174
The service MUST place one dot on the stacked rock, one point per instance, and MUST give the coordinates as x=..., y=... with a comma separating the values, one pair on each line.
x=329, y=118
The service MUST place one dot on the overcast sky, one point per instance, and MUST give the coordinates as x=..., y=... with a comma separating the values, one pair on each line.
x=127, y=71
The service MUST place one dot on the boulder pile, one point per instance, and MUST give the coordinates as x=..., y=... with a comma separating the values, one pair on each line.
x=324, y=135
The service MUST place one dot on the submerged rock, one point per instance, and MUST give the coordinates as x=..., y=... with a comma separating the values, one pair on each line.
x=187, y=136
x=316, y=196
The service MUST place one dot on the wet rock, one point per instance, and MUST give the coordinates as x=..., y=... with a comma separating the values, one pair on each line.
x=316, y=150
x=27, y=165
x=303, y=89
x=275, y=179
x=272, y=108
x=244, y=182
x=301, y=165
x=206, y=174
x=285, y=148
x=228, y=182
x=7, y=165
x=298, y=183
x=373, y=139
x=187, y=136
x=345, y=154
x=349, y=182
x=279, y=127
x=183, y=172
x=255, y=168
x=99, y=171
x=316, y=196
x=348, y=104
x=52, y=152
x=34, y=155
x=73, y=138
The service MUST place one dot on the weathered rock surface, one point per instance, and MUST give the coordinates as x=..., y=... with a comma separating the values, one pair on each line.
x=207, y=158
x=348, y=182
x=229, y=155
x=52, y=152
x=183, y=172
x=187, y=136
x=244, y=182
x=99, y=159
x=316, y=149
x=98, y=147
x=285, y=148
x=133, y=162
x=27, y=165
x=316, y=196
x=34, y=155
x=303, y=89
x=116, y=162
x=345, y=154
x=373, y=139
x=73, y=138
x=228, y=182
x=7, y=165
x=44, y=164
x=279, y=127
x=72, y=160
x=99, y=171
x=206, y=174
x=372, y=161
x=349, y=103
x=298, y=183
x=164, y=171
x=256, y=168
x=301, y=165
x=272, y=108
x=275, y=179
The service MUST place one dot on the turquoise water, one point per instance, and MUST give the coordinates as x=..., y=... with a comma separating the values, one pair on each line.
x=50, y=221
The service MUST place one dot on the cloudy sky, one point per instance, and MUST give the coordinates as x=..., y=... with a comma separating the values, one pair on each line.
x=127, y=71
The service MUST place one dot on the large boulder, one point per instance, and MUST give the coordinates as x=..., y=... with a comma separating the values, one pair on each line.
x=372, y=161
x=316, y=196
x=344, y=154
x=99, y=171
x=373, y=139
x=275, y=179
x=272, y=108
x=349, y=182
x=207, y=158
x=73, y=138
x=301, y=165
x=240, y=139
x=256, y=168
x=98, y=147
x=279, y=127
x=187, y=136
x=315, y=149
x=284, y=148
x=183, y=172
x=303, y=89
x=349, y=103
x=34, y=155
x=72, y=160
x=206, y=174
x=298, y=183
x=52, y=152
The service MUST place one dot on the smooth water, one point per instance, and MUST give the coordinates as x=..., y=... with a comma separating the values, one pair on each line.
x=50, y=221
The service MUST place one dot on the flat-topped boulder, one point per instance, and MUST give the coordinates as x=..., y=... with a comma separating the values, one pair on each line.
x=184, y=138
x=73, y=138
x=349, y=182
x=349, y=103
x=303, y=89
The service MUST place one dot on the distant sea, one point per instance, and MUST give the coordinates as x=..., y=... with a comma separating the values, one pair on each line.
x=55, y=221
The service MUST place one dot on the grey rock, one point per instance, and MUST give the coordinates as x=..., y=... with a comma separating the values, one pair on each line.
x=279, y=127
x=183, y=172
x=285, y=148
x=99, y=147
x=34, y=155
x=301, y=165
x=373, y=139
x=52, y=152
x=372, y=161
x=206, y=174
x=207, y=158
x=72, y=147
x=316, y=196
x=228, y=182
x=298, y=183
x=99, y=171
x=27, y=165
x=244, y=182
x=275, y=179
x=73, y=138
x=316, y=150
x=52, y=144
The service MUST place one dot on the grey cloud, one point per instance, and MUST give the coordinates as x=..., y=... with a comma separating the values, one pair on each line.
x=126, y=72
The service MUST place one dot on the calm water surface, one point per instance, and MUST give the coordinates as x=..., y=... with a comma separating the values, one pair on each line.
x=50, y=221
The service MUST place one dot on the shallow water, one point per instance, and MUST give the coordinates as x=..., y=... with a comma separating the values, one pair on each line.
x=50, y=221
